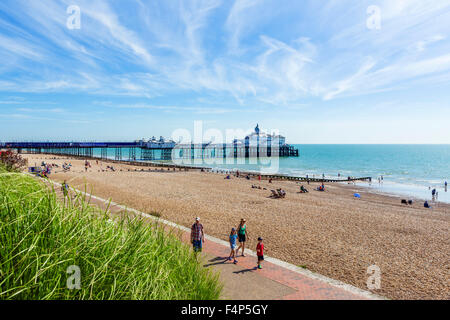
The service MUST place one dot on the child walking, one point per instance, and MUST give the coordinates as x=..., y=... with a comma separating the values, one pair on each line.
x=260, y=252
x=233, y=237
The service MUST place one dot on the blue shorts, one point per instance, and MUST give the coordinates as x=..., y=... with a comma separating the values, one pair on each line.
x=233, y=246
x=197, y=245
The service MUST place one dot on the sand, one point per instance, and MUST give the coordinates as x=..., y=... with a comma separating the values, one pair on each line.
x=330, y=233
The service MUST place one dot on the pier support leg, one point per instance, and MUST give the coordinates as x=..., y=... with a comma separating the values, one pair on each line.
x=132, y=154
x=118, y=154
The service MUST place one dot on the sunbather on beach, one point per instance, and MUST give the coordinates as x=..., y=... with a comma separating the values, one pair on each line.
x=280, y=193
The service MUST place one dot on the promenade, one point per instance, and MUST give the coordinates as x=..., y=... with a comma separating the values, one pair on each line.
x=277, y=280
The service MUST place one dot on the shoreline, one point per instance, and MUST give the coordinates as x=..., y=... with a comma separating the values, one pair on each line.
x=169, y=164
x=401, y=190
x=264, y=176
x=401, y=193
x=371, y=186
x=330, y=233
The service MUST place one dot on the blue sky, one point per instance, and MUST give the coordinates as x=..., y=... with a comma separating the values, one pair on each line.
x=313, y=70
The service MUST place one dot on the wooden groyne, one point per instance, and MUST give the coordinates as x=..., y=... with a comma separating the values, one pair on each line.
x=242, y=174
x=300, y=179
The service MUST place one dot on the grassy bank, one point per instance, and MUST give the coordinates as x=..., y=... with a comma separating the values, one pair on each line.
x=40, y=238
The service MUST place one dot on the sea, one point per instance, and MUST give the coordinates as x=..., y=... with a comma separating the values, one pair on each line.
x=409, y=171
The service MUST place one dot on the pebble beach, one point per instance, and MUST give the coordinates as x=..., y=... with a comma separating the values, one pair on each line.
x=331, y=233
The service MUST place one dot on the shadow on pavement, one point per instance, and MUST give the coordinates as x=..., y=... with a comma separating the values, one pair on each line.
x=245, y=270
x=216, y=261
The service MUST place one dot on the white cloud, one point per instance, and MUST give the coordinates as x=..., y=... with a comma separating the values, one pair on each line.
x=215, y=49
x=421, y=45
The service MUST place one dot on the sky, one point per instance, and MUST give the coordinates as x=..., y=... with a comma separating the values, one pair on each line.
x=335, y=71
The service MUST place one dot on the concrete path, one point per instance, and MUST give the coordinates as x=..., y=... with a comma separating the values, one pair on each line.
x=277, y=280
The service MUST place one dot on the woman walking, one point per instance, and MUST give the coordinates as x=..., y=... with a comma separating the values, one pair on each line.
x=242, y=236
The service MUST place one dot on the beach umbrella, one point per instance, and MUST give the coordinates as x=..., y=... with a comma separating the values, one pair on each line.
x=357, y=195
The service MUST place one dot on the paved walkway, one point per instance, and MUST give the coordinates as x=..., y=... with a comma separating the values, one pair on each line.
x=277, y=280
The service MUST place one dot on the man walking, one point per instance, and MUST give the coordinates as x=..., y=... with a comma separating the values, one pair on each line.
x=197, y=235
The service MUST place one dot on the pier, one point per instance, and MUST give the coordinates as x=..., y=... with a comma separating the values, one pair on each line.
x=148, y=151
x=255, y=145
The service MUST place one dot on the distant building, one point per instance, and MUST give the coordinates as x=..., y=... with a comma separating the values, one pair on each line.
x=153, y=143
x=258, y=138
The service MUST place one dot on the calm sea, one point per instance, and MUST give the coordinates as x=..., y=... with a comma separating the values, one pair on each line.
x=408, y=170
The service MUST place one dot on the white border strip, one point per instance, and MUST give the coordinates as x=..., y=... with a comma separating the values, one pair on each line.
x=280, y=263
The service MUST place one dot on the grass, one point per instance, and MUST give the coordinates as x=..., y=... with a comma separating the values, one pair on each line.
x=41, y=237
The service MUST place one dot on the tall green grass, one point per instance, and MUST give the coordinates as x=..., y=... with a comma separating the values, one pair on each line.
x=40, y=237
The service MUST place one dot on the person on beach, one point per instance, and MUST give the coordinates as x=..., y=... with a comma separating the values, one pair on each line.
x=260, y=252
x=232, y=239
x=65, y=188
x=445, y=185
x=197, y=236
x=242, y=236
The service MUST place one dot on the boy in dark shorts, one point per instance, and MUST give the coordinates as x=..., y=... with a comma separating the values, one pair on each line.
x=260, y=252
